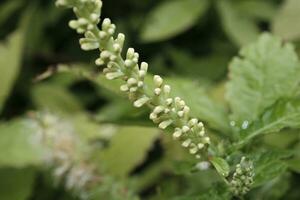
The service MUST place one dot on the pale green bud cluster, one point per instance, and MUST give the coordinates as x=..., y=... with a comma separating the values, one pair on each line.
x=242, y=178
x=166, y=111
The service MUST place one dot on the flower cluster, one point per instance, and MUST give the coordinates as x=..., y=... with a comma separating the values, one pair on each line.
x=61, y=152
x=166, y=111
x=242, y=178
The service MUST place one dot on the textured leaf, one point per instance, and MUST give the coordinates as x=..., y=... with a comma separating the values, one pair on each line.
x=17, y=145
x=217, y=192
x=10, y=58
x=240, y=28
x=221, y=166
x=172, y=18
x=267, y=166
x=286, y=22
x=285, y=114
x=16, y=184
x=264, y=72
x=128, y=148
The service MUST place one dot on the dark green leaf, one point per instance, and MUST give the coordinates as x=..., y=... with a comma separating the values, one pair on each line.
x=16, y=184
x=10, y=60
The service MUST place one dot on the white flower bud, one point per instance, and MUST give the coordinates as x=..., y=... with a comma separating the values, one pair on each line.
x=124, y=88
x=130, y=53
x=169, y=101
x=180, y=113
x=158, y=109
x=157, y=91
x=185, y=129
x=165, y=124
x=131, y=81
x=167, y=89
x=200, y=145
x=114, y=75
x=177, y=133
x=128, y=63
x=157, y=80
x=106, y=24
x=144, y=66
x=102, y=35
x=74, y=24
x=140, y=102
x=186, y=143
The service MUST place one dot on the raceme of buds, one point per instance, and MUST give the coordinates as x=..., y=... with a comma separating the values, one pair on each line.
x=166, y=111
x=242, y=179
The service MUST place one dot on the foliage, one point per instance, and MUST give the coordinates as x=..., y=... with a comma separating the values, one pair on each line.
x=219, y=131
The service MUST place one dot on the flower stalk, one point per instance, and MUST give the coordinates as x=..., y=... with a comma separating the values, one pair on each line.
x=166, y=110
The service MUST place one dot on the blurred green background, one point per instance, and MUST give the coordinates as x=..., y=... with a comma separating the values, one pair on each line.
x=189, y=41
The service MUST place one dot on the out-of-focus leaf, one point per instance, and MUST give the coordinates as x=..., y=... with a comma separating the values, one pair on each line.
x=55, y=98
x=274, y=189
x=286, y=22
x=267, y=166
x=172, y=18
x=217, y=192
x=208, y=67
x=221, y=166
x=266, y=71
x=240, y=28
x=8, y=9
x=10, y=58
x=17, y=145
x=16, y=184
x=264, y=10
x=284, y=114
x=128, y=149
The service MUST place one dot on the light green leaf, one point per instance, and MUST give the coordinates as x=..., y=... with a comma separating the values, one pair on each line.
x=265, y=71
x=17, y=145
x=240, y=28
x=16, y=184
x=286, y=23
x=10, y=60
x=221, y=166
x=55, y=98
x=128, y=148
x=172, y=18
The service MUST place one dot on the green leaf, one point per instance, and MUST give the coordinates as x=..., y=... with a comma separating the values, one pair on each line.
x=10, y=63
x=8, y=9
x=55, y=98
x=172, y=18
x=17, y=145
x=284, y=114
x=216, y=192
x=268, y=165
x=240, y=28
x=286, y=22
x=257, y=9
x=16, y=184
x=128, y=148
x=221, y=166
x=265, y=71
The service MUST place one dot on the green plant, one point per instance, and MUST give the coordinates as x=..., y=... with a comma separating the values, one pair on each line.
x=262, y=100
